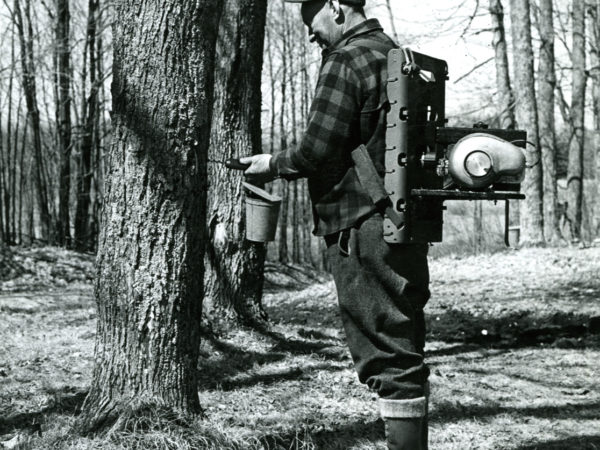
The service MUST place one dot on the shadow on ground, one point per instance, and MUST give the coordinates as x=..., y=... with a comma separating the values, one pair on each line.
x=226, y=370
x=64, y=401
x=523, y=329
x=574, y=443
x=447, y=412
x=340, y=438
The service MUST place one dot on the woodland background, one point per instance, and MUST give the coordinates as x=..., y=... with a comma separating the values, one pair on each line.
x=113, y=117
x=55, y=108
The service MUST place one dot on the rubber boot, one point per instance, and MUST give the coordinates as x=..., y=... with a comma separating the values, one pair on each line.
x=405, y=434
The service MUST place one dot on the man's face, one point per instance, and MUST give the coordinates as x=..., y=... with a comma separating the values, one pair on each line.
x=319, y=16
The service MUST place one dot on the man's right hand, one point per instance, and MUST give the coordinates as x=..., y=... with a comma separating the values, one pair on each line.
x=260, y=169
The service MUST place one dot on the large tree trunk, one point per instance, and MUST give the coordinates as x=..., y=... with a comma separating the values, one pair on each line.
x=63, y=50
x=532, y=232
x=83, y=236
x=234, y=266
x=575, y=167
x=545, y=98
x=506, y=100
x=149, y=280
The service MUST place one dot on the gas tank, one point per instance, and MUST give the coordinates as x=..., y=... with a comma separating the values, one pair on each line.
x=479, y=160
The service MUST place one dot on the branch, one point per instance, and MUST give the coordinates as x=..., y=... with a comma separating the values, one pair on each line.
x=471, y=18
x=481, y=64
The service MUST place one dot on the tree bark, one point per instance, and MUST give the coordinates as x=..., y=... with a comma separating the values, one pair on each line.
x=149, y=280
x=283, y=215
x=83, y=237
x=531, y=209
x=594, y=34
x=392, y=24
x=545, y=98
x=506, y=100
x=29, y=89
x=63, y=50
x=234, y=266
x=577, y=115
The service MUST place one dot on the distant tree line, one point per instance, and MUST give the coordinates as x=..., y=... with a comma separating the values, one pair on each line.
x=55, y=124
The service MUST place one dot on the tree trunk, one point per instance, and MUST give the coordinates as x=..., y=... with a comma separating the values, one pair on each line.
x=531, y=211
x=149, y=280
x=575, y=166
x=296, y=225
x=234, y=266
x=392, y=21
x=83, y=237
x=545, y=98
x=29, y=89
x=63, y=50
x=506, y=100
x=283, y=215
x=594, y=33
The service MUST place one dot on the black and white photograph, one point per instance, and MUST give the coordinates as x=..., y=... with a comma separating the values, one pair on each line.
x=300, y=224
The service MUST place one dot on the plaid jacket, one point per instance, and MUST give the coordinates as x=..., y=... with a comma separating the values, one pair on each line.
x=349, y=109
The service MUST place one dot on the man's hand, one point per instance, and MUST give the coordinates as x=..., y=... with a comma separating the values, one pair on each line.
x=259, y=170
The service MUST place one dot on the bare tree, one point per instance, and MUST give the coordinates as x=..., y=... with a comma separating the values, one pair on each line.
x=83, y=236
x=531, y=216
x=149, y=280
x=283, y=217
x=593, y=11
x=545, y=98
x=506, y=99
x=234, y=266
x=25, y=33
x=392, y=21
x=63, y=57
x=577, y=115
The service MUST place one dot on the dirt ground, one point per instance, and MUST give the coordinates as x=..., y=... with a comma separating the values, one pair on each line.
x=514, y=349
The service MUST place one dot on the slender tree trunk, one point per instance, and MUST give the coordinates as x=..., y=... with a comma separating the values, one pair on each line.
x=2, y=181
x=83, y=237
x=594, y=34
x=233, y=265
x=272, y=83
x=506, y=100
x=306, y=206
x=63, y=50
x=531, y=209
x=283, y=215
x=545, y=98
x=575, y=167
x=149, y=280
x=9, y=191
x=392, y=21
x=29, y=89
x=296, y=224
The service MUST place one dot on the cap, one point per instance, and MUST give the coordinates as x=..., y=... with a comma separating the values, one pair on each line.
x=345, y=2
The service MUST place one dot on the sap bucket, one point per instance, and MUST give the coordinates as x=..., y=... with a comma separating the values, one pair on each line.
x=262, y=212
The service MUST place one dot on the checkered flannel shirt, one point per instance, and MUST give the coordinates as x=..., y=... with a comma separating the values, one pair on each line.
x=348, y=110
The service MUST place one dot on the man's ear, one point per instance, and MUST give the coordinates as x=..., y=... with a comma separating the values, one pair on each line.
x=336, y=10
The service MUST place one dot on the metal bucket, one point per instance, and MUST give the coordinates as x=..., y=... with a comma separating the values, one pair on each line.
x=262, y=213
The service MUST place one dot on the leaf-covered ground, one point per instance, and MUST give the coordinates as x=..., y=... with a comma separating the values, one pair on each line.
x=514, y=348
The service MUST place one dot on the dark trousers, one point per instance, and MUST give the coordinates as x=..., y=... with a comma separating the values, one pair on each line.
x=382, y=289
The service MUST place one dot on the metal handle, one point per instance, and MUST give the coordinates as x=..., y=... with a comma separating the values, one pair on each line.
x=234, y=163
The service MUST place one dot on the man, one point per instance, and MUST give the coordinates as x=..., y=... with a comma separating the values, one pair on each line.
x=382, y=288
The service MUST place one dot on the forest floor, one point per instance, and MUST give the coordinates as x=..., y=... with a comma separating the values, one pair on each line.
x=513, y=346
